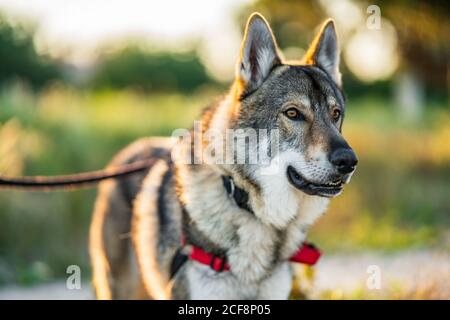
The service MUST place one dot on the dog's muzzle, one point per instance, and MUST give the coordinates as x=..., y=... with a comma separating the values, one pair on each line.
x=324, y=190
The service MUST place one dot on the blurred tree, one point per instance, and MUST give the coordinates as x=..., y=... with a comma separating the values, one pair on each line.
x=19, y=58
x=423, y=30
x=291, y=20
x=160, y=71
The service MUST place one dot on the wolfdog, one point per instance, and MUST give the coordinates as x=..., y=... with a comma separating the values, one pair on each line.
x=228, y=229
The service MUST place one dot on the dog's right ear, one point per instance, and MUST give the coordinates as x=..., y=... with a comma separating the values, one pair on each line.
x=259, y=54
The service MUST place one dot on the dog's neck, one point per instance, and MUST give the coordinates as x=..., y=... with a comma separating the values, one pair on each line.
x=273, y=230
x=253, y=246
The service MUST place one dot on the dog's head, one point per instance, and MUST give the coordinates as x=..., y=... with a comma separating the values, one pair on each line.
x=303, y=101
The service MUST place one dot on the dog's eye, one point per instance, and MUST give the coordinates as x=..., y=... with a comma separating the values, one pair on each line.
x=336, y=114
x=294, y=114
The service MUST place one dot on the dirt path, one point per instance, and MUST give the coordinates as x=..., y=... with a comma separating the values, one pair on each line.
x=339, y=274
x=411, y=274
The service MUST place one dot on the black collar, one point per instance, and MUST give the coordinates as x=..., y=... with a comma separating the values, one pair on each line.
x=239, y=195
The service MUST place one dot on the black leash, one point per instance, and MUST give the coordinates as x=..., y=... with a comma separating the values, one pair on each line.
x=79, y=180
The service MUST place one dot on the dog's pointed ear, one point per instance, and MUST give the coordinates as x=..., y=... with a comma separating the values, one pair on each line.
x=324, y=51
x=259, y=54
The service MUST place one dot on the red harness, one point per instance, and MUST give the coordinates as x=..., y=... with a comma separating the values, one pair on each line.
x=306, y=254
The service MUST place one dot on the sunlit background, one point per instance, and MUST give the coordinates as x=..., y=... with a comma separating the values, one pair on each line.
x=80, y=79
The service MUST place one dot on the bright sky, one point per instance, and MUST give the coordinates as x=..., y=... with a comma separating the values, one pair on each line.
x=83, y=25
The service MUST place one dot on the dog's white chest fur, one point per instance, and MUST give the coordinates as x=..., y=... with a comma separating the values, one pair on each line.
x=205, y=283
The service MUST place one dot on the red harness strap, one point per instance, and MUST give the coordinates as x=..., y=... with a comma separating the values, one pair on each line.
x=307, y=254
x=216, y=263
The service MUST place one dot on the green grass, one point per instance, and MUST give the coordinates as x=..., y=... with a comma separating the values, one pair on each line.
x=398, y=197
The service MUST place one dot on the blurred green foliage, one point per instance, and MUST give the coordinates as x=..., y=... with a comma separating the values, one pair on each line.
x=151, y=71
x=131, y=66
x=19, y=59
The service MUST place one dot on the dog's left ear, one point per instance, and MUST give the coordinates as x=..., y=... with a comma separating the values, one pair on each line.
x=324, y=51
x=259, y=54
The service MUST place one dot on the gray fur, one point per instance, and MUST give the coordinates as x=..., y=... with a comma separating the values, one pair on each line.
x=138, y=221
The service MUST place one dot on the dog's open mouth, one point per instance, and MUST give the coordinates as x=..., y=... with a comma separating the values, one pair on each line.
x=324, y=190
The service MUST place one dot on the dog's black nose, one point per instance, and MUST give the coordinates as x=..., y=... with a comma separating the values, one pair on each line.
x=344, y=159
